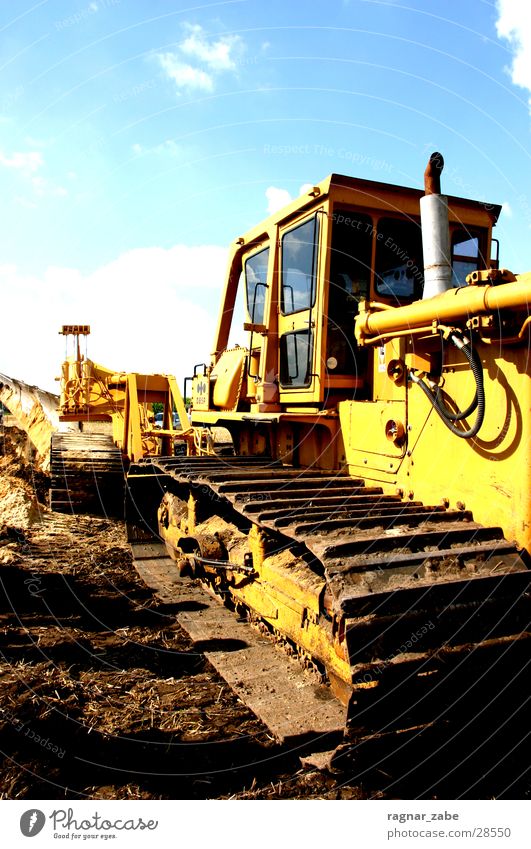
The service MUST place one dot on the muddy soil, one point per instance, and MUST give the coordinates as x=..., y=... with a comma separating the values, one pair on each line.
x=102, y=695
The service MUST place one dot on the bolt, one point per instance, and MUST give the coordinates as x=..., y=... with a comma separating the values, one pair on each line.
x=460, y=505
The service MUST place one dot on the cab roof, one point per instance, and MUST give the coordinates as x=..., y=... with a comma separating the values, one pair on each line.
x=369, y=193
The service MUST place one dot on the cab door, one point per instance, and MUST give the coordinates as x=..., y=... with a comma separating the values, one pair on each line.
x=300, y=308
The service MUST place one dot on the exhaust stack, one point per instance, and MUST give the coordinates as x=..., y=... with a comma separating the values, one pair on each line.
x=435, y=231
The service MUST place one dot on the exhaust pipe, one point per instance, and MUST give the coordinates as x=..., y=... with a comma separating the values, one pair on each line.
x=435, y=231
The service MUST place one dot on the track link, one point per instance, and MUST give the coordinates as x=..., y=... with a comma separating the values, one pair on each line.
x=87, y=474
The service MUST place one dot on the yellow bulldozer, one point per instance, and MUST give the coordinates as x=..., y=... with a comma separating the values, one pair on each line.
x=118, y=424
x=375, y=517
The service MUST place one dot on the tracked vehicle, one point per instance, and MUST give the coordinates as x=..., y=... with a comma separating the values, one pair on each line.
x=375, y=516
x=114, y=413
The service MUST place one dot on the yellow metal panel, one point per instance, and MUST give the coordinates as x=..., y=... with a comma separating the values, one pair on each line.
x=178, y=401
x=134, y=436
x=292, y=577
x=363, y=424
x=201, y=392
x=388, y=359
x=228, y=372
x=490, y=474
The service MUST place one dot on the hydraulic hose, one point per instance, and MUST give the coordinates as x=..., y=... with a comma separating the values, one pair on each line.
x=472, y=356
x=478, y=402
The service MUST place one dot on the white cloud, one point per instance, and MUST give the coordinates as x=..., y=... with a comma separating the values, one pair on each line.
x=507, y=209
x=25, y=203
x=210, y=57
x=146, y=311
x=168, y=146
x=219, y=55
x=46, y=188
x=26, y=163
x=181, y=267
x=185, y=76
x=514, y=24
x=276, y=198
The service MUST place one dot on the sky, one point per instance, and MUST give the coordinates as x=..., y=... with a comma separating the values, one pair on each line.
x=139, y=139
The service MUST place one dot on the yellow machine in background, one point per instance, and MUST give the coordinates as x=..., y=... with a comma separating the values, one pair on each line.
x=93, y=393
x=377, y=513
x=118, y=425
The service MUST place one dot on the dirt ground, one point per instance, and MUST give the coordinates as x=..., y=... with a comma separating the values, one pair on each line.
x=102, y=695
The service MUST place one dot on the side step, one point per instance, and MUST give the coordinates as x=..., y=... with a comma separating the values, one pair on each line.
x=296, y=710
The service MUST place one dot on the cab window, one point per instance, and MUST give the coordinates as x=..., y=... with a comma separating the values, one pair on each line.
x=466, y=255
x=299, y=267
x=256, y=285
x=399, y=261
x=296, y=358
x=350, y=275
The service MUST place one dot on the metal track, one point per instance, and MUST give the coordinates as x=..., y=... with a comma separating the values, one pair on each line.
x=296, y=709
x=87, y=474
x=429, y=597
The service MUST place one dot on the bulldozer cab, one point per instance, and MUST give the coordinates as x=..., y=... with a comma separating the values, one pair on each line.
x=304, y=273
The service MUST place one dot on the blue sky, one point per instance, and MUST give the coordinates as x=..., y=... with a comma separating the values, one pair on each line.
x=137, y=140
